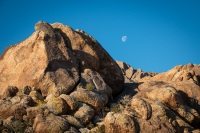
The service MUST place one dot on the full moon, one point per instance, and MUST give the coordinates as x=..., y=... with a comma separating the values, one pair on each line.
x=124, y=38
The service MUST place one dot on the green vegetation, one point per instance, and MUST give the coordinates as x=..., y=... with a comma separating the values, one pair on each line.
x=115, y=108
x=89, y=87
x=123, y=103
x=40, y=103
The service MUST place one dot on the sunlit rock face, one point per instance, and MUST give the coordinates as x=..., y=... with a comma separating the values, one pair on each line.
x=53, y=58
x=62, y=80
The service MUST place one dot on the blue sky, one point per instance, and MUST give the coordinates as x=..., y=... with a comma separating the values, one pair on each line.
x=161, y=33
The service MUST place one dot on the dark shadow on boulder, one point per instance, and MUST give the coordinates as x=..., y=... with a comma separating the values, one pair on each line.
x=193, y=103
x=137, y=125
x=65, y=37
x=128, y=89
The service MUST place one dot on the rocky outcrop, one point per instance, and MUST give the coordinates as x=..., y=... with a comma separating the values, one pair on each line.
x=166, y=102
x=189, y=72
x=53, y=55
x=51, y=64
x=131, y=74
x=62, y=80
x=93, y=56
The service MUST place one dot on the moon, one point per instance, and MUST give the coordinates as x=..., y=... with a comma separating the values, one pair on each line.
x=124, y=38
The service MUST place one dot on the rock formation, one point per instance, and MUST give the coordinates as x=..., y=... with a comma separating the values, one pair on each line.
x=62, y=80
x=53, y=55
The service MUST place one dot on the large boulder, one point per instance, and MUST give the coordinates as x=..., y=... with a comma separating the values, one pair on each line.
x=84, y=113
x=119, y=123
x=52, y=59
x=94, y=99
x=57, y=106
x=93, y=81
x=50, y=124
x=93, y=56
x=92, y=90
x=71, y=102
x=177, y=101
x=40, y=61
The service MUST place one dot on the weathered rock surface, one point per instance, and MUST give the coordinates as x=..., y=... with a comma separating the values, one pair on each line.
x=50, y=124
x=71, y=102
x=93, y=81
x=189, y=72
x=15, y=106
x=56, y=54
x=84, y=113
x=132, y=74
x=95, y=100
x=121, y=123
x=51, y=65
x=57, y=106
x=62, y=80
x=93, y=56
x=73, y=121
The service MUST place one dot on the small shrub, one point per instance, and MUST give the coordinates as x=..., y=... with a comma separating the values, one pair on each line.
x=106, y=109
x=40, y=103
x=90, y=125
x=125, y=101
x=89, y=87
x=115, y=108
x=17, y=126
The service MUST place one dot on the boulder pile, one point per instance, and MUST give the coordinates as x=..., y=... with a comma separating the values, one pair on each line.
x=62, y=80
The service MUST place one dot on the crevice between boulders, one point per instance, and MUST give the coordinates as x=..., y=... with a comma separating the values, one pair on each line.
x=79, y=73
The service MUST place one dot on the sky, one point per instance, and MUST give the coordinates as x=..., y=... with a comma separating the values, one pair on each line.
x=160, y=33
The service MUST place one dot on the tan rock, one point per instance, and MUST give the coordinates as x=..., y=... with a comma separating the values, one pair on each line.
x=15, y=107
x=72, y=103
x=167, y=95
x=92, y=81
x=45, y=27
x=57, y=106
x=93, y=56
x=134, y=75
x=73, y=121
x=187, y=72
x=36, y=96
x=142, y=107
x=84, y=113
x=95, y=100
x=51, y=65
x=175, y=96
x=50, y=124
x=119, y=123
x=32, y=112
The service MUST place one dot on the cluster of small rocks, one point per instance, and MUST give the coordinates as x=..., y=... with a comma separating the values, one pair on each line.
x=28, y=111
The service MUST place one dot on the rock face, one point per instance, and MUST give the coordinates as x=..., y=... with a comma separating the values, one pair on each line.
x=132, y=74
x=121, y=123
x=62, y=80
x=52, y=59
x=166, y=102
x=93, y=56
x=189, y=72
